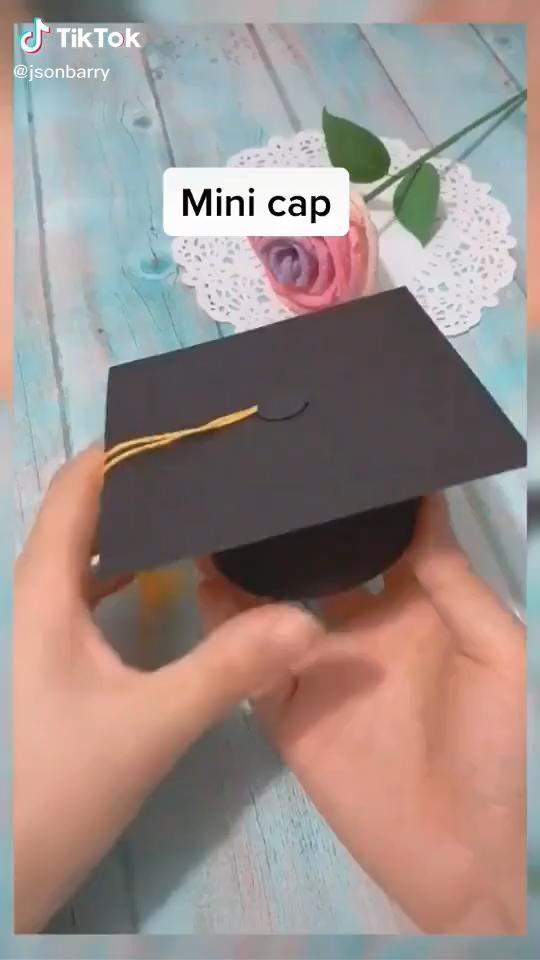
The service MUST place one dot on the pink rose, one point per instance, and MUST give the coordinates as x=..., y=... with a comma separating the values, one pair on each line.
x=311, y=273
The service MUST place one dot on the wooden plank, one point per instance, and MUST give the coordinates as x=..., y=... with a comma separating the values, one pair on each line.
x=334, y=66
x=40, y=436
x=471, y=83
x=214, y=92
x=105, y=903
x=508, y=43
x=63, y=922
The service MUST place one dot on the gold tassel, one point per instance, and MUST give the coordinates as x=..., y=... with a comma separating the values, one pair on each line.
x=133, y=448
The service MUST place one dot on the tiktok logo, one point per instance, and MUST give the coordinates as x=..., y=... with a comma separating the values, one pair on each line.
x=32, y=40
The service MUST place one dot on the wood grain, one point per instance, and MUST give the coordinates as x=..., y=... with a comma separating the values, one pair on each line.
x=38, y=415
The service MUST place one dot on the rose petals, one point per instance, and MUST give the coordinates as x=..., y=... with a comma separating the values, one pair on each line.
x=310, y=273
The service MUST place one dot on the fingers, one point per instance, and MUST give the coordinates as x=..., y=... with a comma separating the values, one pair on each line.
x=218, y=602
x=243, y=655
x=61, y=540
x=434, y=547
x=360, y=606
x=479, y=623
x=481, y=626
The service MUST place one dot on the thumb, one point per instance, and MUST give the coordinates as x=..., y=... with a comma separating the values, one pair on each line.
x=181, y=701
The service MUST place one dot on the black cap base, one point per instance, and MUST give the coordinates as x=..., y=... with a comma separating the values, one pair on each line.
x=319, y=561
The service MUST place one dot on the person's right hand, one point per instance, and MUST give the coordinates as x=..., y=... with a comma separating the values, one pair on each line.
x=407, y=729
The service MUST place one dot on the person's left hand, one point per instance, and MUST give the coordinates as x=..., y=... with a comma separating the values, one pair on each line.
x=93, y=736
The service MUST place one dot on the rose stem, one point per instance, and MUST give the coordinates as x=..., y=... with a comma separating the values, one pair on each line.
x=509, y=106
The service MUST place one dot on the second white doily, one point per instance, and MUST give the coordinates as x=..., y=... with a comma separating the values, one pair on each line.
x=457, y=275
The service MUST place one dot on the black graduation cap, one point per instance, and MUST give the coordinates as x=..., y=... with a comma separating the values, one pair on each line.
x=362, y=409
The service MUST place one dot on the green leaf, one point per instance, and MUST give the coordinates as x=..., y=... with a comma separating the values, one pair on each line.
x=416, y=199
x=355, y=148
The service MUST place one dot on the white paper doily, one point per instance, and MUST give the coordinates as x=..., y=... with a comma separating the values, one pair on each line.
x=454, y=277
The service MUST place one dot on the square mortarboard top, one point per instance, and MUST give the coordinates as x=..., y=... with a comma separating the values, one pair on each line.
x=363, y=409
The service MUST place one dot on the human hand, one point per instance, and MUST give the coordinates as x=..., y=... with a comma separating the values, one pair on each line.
x=93, y=736
x=407, y=729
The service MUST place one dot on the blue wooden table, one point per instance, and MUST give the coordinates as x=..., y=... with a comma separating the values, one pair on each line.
x=229, y=843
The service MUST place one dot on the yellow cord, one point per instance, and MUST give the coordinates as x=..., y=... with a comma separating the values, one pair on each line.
x=132, y=448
